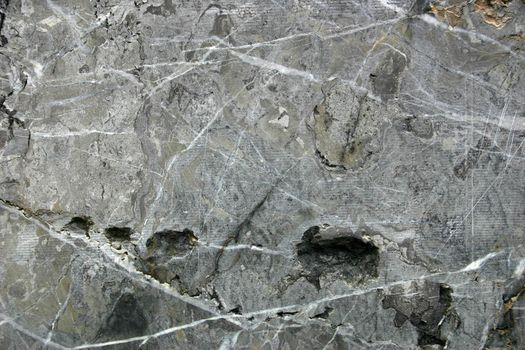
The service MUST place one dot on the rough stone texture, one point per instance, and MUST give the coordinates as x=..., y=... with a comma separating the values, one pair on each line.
x=187, y=174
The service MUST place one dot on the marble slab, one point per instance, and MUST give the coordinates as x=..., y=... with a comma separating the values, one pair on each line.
x=274, y=174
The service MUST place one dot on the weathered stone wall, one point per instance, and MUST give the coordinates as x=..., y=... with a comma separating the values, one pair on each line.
x=187, y=174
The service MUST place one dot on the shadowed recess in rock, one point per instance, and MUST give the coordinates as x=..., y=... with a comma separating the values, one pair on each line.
x=345, y=256
x=118, y=233
x=79, y=224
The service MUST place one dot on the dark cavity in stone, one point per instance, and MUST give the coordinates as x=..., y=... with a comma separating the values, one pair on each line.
x=79, y=224
x=118, y=233
x=349, y=257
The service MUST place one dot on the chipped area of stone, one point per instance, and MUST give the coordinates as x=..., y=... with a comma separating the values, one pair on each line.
x=262, y=175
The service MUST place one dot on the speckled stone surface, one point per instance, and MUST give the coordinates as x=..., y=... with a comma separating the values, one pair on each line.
x=302, y=174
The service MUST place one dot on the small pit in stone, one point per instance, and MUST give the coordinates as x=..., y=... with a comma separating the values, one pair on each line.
x=118, y=233
x=79, y=225
x=324, y=314
x=342, y=256
x=172, y=243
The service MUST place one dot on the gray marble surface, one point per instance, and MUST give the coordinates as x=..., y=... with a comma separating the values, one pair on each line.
x=276, y=174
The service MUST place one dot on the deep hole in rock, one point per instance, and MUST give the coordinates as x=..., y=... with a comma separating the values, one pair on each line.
x=79, y=224
x=287, y=313
x=236, y=310
x=349, y=257
x=118, y=233
x=171, y=242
